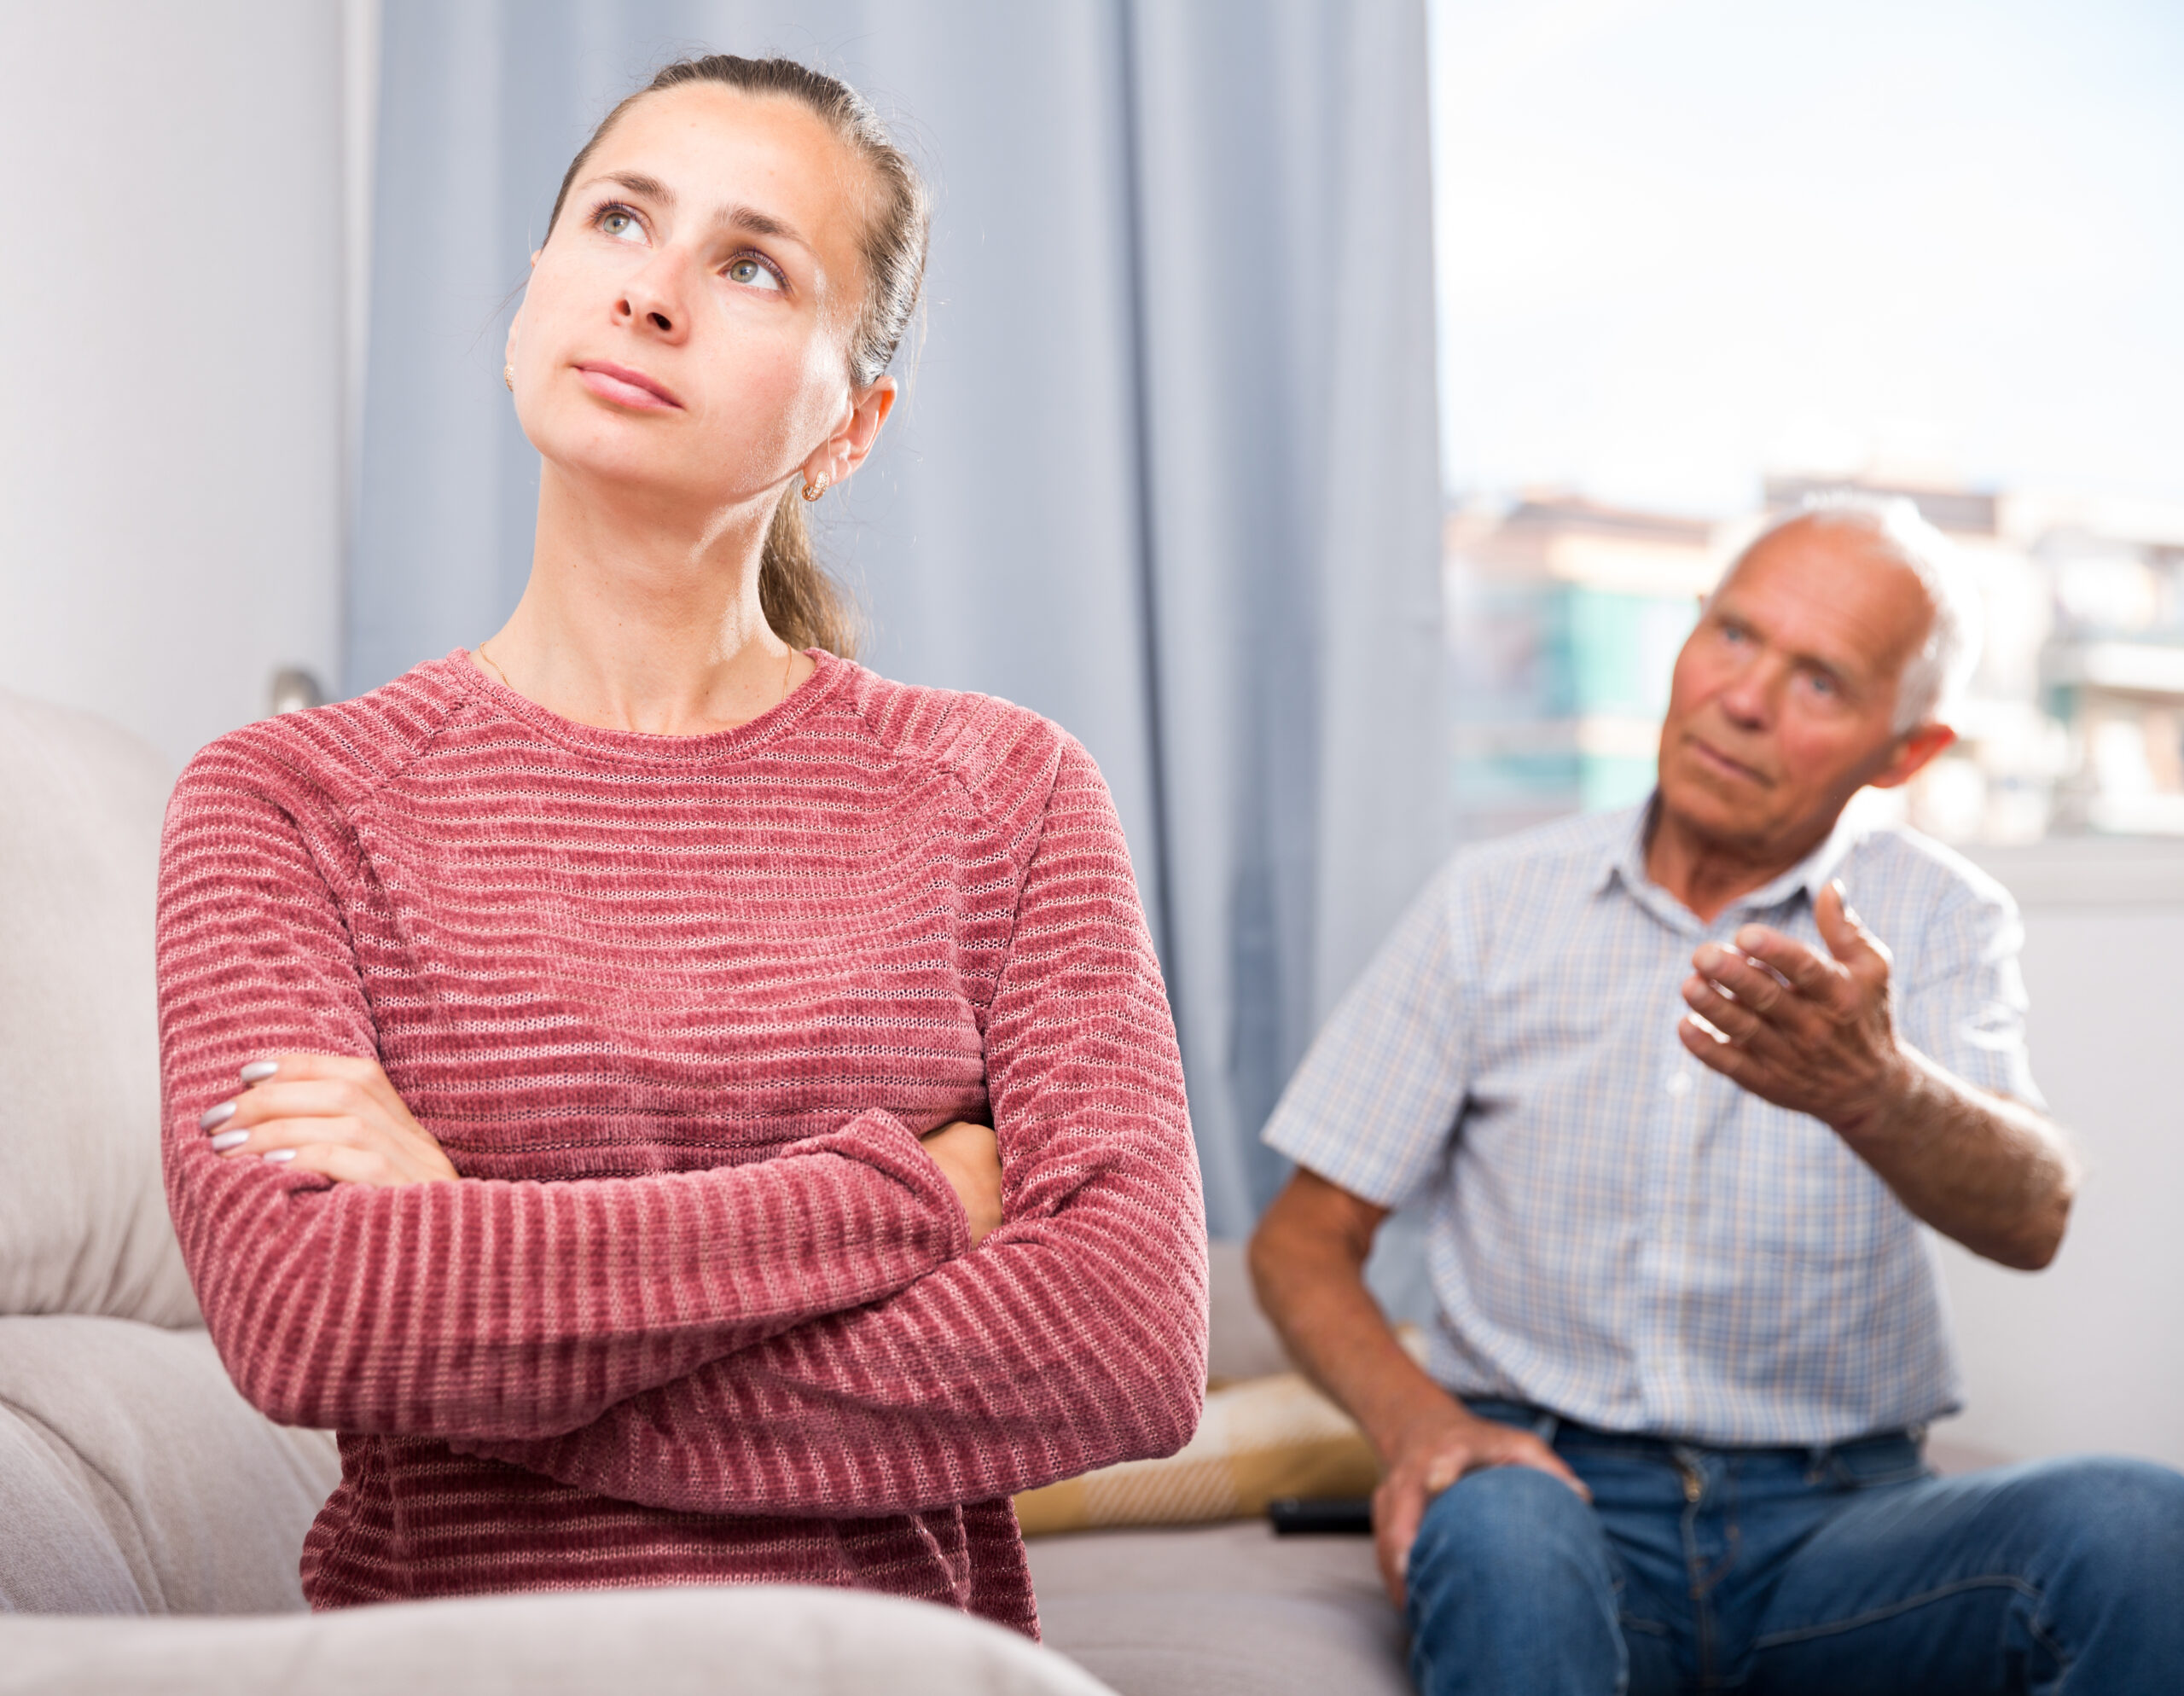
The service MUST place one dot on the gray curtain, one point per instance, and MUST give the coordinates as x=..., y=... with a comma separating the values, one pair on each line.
x=1166, y=470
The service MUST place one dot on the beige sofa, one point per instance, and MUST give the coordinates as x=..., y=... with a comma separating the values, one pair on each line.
x=135, y=1481
x=1209, y=1609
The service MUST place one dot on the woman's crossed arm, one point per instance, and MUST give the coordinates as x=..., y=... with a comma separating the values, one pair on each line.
x=1074, y=1336
x=480, y=1308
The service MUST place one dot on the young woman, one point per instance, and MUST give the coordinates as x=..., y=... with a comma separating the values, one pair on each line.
x=549, y=1035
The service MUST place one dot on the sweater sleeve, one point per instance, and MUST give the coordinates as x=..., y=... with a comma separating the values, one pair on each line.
x=1074, y=1336
x=480, y=1307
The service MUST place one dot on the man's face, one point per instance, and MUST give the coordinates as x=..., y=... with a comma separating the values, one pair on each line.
x=1784, y=699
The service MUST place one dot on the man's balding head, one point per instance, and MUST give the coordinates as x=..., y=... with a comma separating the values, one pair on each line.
x=1817, y=667
x=1893, y=528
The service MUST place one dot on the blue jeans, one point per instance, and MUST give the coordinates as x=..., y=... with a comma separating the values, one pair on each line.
x=1825, y=1572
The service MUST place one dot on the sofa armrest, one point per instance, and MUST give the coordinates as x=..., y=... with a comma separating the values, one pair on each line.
x=746, y=1640
x=135, y=1480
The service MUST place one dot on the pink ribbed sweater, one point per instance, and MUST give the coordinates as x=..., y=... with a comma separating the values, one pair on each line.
x=701, y=1308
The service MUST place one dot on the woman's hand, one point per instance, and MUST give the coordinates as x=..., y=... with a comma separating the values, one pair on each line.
x=327, y=1113
x=970, y=1160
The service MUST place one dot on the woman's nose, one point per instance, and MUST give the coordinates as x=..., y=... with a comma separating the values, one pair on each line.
x=649, y=299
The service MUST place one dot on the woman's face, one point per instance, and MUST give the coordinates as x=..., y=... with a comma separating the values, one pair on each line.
x=686, y=327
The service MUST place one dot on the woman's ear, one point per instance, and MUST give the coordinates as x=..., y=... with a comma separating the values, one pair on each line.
x=853, y=440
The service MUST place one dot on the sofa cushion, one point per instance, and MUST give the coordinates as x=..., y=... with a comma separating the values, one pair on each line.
x=57, y=1554
x=1210, y=1610
x=135, y=1480
x=1257, y=1440
x=84, y=1222
x=753, y=1641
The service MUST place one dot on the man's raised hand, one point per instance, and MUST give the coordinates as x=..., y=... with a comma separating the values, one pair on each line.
x=1811, y=1034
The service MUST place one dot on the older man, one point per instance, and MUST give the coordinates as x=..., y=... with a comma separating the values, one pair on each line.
x=1681, y=1111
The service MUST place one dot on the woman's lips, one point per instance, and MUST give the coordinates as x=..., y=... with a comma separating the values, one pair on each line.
x=625, y=387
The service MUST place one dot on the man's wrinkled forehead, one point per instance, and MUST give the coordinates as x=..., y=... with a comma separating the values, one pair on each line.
x=1844, y=587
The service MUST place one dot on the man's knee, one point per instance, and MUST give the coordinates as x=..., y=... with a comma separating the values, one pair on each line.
x=1511, y=1589
x=1513, y=1531
x=2121, y=1522
x=2135, y=1508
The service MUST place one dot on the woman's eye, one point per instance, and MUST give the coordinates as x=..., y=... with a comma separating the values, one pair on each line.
x=618, y=223
x=753, y=274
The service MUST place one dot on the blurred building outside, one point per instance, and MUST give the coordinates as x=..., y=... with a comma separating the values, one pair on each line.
x=1564, y=615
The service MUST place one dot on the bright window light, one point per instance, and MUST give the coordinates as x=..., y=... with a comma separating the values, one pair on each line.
x=1697, y=256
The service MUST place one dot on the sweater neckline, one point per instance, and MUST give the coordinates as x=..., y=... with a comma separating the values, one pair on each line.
x=471, y=681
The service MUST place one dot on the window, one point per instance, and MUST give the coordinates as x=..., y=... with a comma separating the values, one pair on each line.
x=1699, y=257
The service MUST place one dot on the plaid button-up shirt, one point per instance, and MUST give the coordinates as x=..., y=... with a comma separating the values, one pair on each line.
x=1617, y=1233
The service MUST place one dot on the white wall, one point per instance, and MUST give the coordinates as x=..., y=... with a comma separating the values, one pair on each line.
x=172, y=356
x=2090, y=1353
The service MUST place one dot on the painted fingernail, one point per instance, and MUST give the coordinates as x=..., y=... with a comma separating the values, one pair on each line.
x=213, y=1117
x=230, y=1139
x=278, y=1156
x=258, y=1071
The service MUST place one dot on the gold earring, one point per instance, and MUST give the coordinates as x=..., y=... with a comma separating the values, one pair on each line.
x=812, y=491
x=507, y=376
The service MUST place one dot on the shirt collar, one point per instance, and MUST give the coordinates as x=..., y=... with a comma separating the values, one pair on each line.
x=1625, y=858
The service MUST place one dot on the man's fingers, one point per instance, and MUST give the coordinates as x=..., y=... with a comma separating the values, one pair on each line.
x=1733, y=1020
x=1546, y=1460
x=1846, y=935
x=1779, y=1041
x=1398, y=1507
x=1709, y=1050
x=1744, y=978
x=1524, y=1449
x=1808, y=973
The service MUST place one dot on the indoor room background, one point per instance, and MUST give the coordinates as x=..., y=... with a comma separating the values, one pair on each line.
x=1329, y=412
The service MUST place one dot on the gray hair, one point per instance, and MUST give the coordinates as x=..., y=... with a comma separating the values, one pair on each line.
x=1932, y=677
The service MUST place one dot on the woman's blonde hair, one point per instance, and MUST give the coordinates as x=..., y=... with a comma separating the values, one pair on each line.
x=801, y=603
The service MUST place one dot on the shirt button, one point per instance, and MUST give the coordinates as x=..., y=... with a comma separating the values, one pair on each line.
x=1679, y=1082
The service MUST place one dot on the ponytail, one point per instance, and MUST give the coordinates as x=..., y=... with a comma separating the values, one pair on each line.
x=801, y=603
